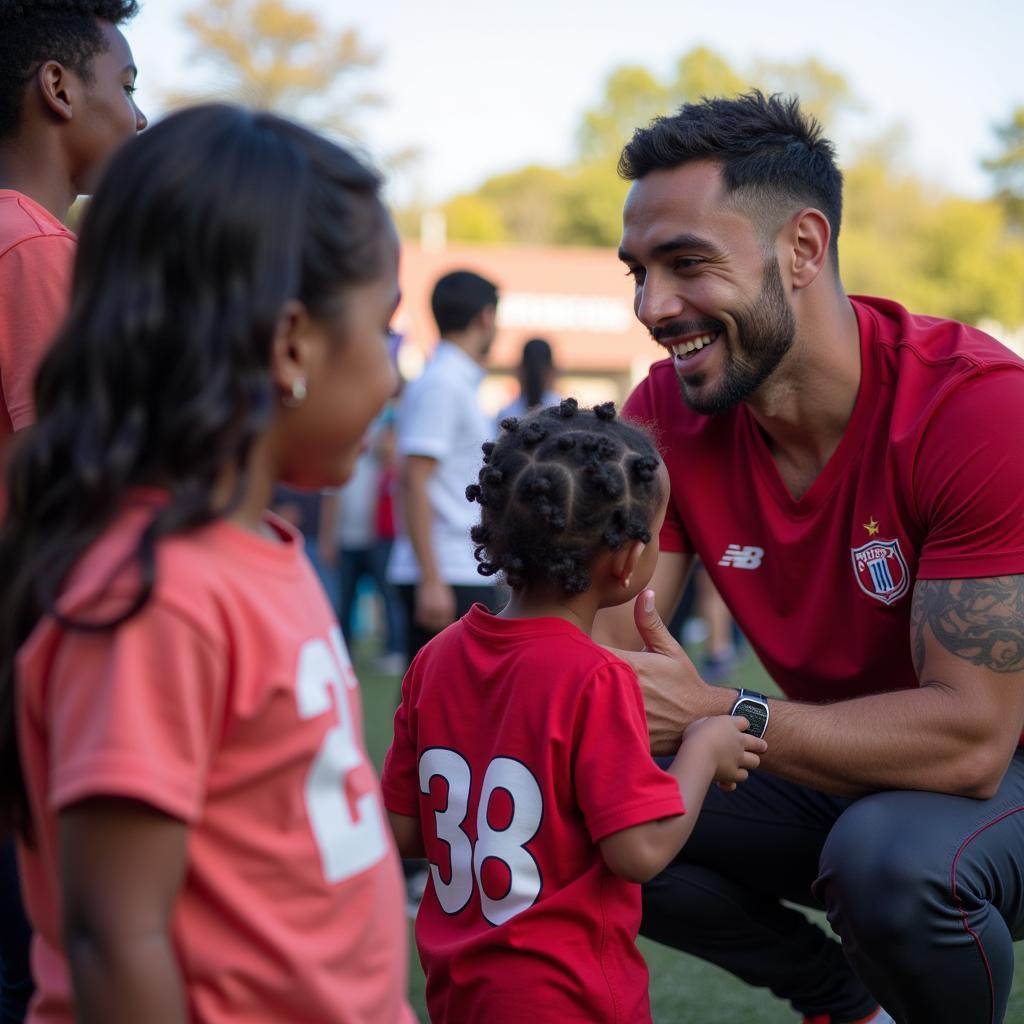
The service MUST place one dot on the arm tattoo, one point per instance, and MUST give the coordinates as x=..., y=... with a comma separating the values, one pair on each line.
x=979, y=620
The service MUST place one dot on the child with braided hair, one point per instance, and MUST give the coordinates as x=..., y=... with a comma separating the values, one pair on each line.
x=520, y=765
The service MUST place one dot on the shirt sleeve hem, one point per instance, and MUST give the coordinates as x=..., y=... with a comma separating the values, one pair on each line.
x=972, y=566
x=429, y=448
x=399, y=804
x=126, y=779
x=665, y=807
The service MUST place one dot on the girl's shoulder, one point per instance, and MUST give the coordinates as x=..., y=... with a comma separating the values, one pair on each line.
x=190, y=570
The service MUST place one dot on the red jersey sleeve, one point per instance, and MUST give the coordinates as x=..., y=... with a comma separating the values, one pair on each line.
x=642, y=408
x=399, y=779
x=136, y=712
x=969, y=480
x=618, y=785
x=38, y=272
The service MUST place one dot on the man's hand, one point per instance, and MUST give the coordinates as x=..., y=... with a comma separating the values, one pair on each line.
x=435, y=605
x=674, y=694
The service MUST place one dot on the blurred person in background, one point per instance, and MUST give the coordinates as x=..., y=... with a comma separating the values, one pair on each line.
x=441, y=427
x=66, y=82
x=356, y=535
x=536, y=375
x=303, y=510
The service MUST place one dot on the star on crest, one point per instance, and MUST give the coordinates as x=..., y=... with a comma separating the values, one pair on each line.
x=871, y=526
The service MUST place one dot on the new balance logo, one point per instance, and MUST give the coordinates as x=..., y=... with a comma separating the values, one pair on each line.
x=747, y=557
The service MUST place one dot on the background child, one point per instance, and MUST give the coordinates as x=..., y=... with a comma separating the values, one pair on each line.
x=521, y=760
x=203, y=835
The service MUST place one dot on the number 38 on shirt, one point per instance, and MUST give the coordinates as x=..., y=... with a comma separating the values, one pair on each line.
x=510, y=793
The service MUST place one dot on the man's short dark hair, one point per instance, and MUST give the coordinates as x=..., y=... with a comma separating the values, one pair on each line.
x=459, y=298
x=35, y=31
x=773, y=156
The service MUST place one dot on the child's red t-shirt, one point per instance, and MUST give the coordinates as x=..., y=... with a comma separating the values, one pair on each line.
x=520, y=744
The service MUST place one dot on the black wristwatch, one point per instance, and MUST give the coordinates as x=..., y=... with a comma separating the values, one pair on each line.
x=752, y=706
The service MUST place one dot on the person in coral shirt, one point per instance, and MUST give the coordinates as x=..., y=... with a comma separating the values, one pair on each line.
x=66, y=81
x=202, y=834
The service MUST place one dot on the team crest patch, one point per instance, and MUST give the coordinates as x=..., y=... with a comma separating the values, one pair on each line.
x=881, y=570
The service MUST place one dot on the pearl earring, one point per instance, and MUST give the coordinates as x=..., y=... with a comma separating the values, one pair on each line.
x=298, y=393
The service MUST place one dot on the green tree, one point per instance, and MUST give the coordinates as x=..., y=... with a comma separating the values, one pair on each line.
x=938, y=254
x=824, y=92
x=632, y=96
x=531, y=202
x=702, y=72
x=272, y=55
x=473, y=218
x=1007, y=168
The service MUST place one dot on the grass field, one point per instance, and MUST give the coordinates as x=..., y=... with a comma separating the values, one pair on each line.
x=683, y=990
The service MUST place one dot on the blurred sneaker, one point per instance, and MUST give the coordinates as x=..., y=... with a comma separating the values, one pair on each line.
x=415, y=886
x=695, y=631
x=390, y=664
x=719, y=668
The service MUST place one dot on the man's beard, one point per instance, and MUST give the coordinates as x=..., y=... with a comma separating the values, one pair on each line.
x=765, y=330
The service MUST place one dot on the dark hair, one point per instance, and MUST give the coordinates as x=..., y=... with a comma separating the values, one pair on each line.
x=773, y=156
x=459, y=297
x=556, y=488
x=35, y=31
x=537, y=361
x=202, y=228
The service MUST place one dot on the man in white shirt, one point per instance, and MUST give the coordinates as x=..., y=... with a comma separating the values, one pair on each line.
x=440, y=430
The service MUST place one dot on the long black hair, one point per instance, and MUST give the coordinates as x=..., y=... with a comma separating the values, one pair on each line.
x=201, y=230
x=535, y=368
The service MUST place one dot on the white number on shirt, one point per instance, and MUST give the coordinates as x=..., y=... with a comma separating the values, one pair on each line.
x=349, y=842
x=507, y=845
x=452, y=895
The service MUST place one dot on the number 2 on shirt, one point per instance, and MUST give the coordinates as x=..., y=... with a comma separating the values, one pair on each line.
x=349, y=843
x=507, y=845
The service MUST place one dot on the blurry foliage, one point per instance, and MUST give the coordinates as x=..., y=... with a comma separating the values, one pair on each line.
x=936, y=253
x=271, y=55
x=1007, y=168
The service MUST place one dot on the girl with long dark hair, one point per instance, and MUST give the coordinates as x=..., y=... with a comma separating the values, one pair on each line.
x=201, y=831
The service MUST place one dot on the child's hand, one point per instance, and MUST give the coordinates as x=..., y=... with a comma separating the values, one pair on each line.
x=723, y=739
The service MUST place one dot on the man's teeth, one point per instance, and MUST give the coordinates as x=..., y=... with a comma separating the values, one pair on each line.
x=694, y=345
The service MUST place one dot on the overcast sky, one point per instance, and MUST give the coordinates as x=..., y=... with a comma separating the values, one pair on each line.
x=481, y=86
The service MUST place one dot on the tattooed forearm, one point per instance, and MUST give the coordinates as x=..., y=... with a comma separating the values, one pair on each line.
x=981, y=621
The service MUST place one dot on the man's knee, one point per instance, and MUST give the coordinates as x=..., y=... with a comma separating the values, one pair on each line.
x=877, y=876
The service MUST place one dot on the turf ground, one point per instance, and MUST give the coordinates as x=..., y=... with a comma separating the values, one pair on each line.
x=683, y=990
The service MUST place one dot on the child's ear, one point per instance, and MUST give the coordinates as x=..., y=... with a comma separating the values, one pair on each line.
x=624, y=561
x=289, y=351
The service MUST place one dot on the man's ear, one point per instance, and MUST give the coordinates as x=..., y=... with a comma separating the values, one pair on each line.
x=807, y=237
x=624, y=561
x=486, y=318
x=56, y=88
x=291, y=349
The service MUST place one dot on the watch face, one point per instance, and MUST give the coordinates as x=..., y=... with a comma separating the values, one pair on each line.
x=754, y=712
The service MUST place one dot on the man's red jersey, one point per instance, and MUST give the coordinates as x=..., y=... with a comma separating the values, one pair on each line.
x=927, y=483
x=520, y=743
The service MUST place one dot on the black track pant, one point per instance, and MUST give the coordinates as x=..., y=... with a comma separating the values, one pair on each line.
x=465, y=597
x=926, y=892
x=15, y=977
